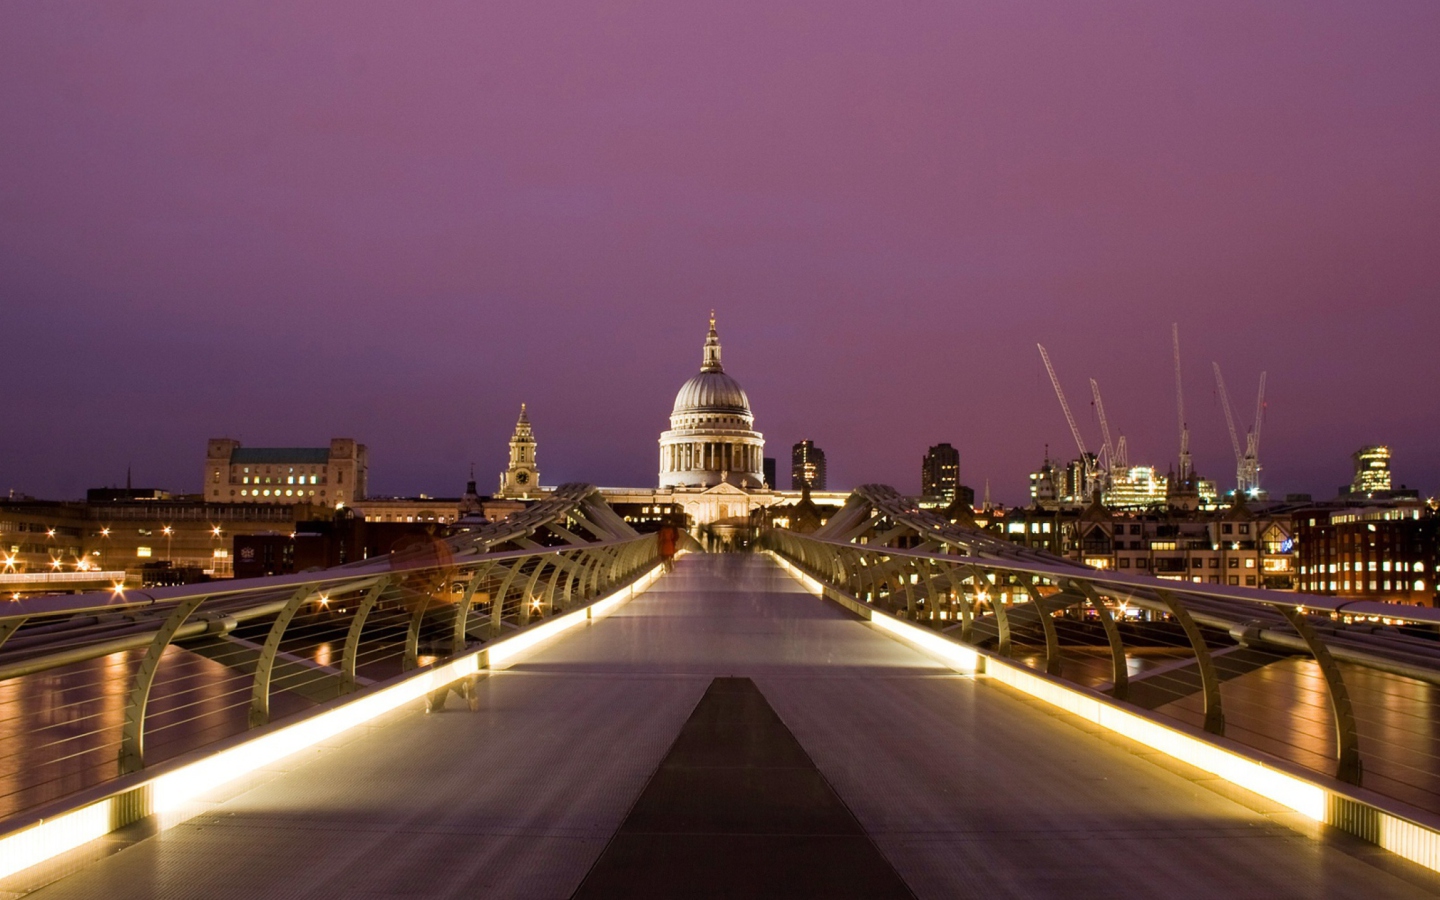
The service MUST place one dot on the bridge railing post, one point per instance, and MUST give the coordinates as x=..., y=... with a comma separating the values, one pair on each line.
x=458, y=638
x=260, y=688
x=351, y=652
x=497, y=603
x=1030, y=584
x=1209, y=681
x=1119, y=668
x=132, y=736
x=1349, y=766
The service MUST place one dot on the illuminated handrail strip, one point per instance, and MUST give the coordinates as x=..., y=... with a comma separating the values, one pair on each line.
x=171, y=790
x=1064, y=570
x=1404, y=833
x=337, y=579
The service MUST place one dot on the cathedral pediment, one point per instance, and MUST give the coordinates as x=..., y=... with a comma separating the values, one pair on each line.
x=727, y=489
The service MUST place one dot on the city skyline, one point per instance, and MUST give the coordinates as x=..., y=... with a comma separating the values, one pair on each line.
x=289, y=226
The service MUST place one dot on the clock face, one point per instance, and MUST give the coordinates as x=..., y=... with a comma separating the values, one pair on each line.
x=522, y=477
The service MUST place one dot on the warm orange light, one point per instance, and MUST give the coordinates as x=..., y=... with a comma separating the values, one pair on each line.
x=104, y=532
x=50, y=533
x=215, y=530
x=167, y=530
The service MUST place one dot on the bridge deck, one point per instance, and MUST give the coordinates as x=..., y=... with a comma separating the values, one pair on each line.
x=966, y=788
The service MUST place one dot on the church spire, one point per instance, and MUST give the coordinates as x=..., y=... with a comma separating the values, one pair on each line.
x=521, y=478
x=712, y=349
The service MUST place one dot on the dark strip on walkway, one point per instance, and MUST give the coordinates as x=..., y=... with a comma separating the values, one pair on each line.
x=736, y=809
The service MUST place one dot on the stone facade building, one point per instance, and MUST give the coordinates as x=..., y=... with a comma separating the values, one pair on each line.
x=325, y=476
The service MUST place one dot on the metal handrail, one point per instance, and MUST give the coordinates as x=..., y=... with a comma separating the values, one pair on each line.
x=950, y=591
x=283, y=634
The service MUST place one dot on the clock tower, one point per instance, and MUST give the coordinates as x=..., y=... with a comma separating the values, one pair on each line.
x=521, y=479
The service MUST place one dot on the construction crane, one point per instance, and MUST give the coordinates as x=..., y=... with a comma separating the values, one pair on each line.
x=1116, y=456
x=1247, y=462
x=1090, y=476
x=1186, y=469
x=1252, y=443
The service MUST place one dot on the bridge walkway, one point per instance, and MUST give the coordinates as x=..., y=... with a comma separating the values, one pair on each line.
x=966, y=788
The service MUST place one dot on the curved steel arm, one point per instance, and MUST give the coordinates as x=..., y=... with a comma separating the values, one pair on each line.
x=497, y=602
x=1347, y=741
x=352, y=637
x=1047, y=625
x=9, y=627
x=1119, y=671
x=260, y=691
x=462, y=611
x=132, y=736
x=1002, y=620
x=1209, y=681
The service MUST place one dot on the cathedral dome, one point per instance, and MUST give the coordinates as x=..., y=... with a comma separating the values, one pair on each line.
x=711, y=439
x=712, y=392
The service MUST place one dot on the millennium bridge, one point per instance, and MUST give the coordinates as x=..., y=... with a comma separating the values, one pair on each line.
x=892, y=706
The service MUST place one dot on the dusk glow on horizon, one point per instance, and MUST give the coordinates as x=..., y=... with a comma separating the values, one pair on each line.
x=287, y=222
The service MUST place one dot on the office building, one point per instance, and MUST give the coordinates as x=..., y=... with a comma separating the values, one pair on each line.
x=940, y=472
x=807, y=466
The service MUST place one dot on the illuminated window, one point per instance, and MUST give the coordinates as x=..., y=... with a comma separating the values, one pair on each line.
x=142, y=551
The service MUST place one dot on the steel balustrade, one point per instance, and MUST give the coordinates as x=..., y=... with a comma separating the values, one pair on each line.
x=882, y=551
x=270, y=636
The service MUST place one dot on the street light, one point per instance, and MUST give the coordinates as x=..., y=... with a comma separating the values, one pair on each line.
x=169, y=537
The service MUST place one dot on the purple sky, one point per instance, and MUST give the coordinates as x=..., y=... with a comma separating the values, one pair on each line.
x=286, y=221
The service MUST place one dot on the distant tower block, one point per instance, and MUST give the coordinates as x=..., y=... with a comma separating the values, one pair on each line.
x=940, y=472
x=1372, y=470
x=807, y=466
x=521, y=479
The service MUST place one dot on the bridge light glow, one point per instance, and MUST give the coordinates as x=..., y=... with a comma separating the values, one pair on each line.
x=177, y=794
